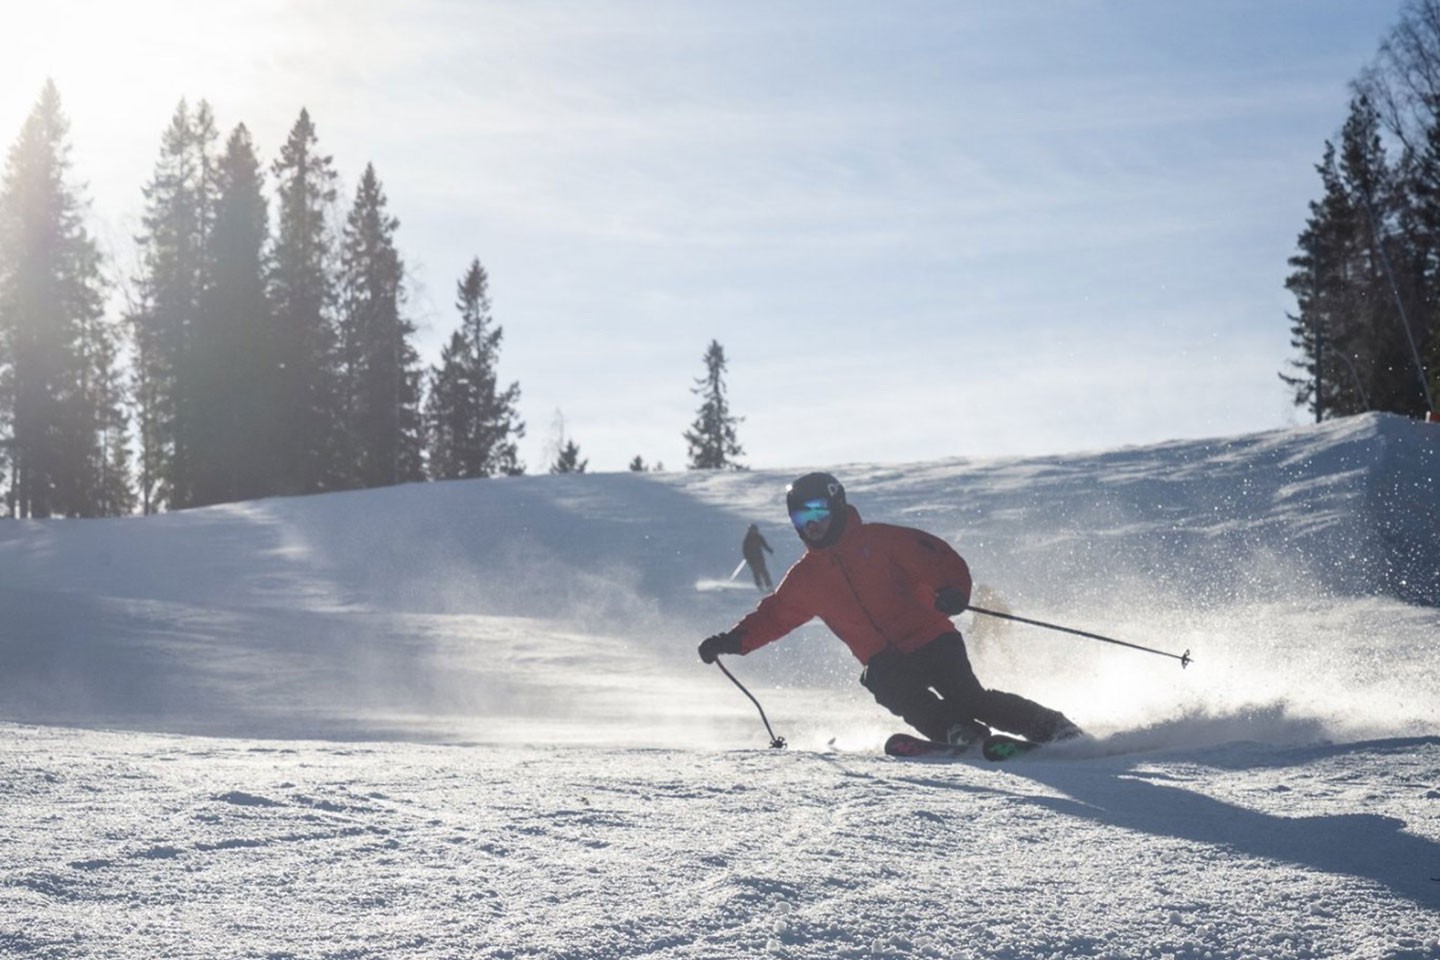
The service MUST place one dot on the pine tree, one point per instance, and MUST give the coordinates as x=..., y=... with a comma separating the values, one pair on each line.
x=1420, y=233
x=180, y=204
x=712, y=439
x=7, y=403
x=1388, y=288
x=1359, y=283
x=1322, y=331
x=60, y=403
x=1432, y=362
x=638, y=464
x=304, y=455
x=380, y=379
x=448, y=412
x=472, y=424
x=113, y=493
x=563, y=451
x=1402, y=91
x=568, y=460
x=234, y=409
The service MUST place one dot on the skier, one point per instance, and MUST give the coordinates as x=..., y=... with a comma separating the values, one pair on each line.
x=888, y=592
x=754, y=550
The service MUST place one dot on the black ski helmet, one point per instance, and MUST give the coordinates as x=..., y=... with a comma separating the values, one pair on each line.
x=818, y=486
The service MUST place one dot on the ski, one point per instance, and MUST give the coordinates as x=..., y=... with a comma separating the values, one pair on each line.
x=999, y=747
x=995, y=748
x=905, y=745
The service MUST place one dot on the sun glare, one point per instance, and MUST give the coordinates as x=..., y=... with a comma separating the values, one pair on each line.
x=108, y=59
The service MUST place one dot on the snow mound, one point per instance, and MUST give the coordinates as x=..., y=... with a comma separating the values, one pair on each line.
x=1299, y=566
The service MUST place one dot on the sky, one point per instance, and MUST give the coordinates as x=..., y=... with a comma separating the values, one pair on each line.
x=919, y=230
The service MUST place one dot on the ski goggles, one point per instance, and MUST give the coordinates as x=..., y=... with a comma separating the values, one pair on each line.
x=811, y=511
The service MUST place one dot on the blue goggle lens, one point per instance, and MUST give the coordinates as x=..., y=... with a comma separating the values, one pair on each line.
x=811, y=511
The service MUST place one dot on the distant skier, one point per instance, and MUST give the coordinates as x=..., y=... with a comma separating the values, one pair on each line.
x=754, y=550
x=888, y=592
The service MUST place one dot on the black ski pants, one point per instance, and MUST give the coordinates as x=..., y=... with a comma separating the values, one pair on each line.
x=759, y=571
x=935, y=688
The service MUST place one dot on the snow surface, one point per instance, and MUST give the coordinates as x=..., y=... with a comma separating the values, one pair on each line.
x=466, y=720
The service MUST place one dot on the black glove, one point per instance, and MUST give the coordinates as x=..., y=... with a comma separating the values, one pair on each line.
x=951, y=600
x=712, y=647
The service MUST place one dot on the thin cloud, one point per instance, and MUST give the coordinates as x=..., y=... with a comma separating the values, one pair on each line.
x=843, y=195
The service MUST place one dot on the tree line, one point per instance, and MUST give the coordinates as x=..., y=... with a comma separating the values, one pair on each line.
x=251, y=359
x=1366, y=272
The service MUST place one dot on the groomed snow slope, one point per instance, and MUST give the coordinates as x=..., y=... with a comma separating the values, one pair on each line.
x=466, y=719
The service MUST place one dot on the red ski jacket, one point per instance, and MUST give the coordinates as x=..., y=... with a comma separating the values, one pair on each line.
x=874, y=587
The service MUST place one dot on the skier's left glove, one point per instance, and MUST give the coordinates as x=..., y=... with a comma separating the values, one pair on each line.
x=951, y=601
x=712, y=647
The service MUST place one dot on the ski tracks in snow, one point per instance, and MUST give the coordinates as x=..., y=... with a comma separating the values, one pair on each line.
x=140, y=845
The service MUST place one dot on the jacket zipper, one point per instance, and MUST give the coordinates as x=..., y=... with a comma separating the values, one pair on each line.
x=845, y=572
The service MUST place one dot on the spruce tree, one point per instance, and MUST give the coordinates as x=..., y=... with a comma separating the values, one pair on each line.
x=1359, y=282
x=1322, y=331
x=568, y=459
x=712, y=438
x=234, y=410
x=60, y=399
x=379, y=373
x=563, y=451
x=448, y=415
x=1432, y=362
x=113, y=493
x=304, y=454
x=1399, y=97
x=1382, y=317
x=472, y=424
x=1419, y=232
x=175, y=271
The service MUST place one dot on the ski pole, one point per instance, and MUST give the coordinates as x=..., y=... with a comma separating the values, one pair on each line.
x=777, y=743
x=1184, y=658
